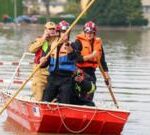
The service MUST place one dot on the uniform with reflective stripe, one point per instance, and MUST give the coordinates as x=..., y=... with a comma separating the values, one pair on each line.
x=41, y=52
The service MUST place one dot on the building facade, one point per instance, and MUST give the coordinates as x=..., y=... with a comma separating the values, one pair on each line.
x=146, y=9
x=38, y=7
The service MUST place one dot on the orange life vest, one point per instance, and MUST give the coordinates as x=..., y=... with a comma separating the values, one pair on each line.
x=87, y=50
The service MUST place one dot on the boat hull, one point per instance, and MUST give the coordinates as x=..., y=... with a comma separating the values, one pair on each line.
x=63, y=118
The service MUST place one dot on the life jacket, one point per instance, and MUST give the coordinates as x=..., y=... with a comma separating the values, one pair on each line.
x=61, y=59
x=88, y=49
x=41, y=52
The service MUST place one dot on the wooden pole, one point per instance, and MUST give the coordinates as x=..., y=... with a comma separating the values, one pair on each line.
x=38, y=66
x=109, y=87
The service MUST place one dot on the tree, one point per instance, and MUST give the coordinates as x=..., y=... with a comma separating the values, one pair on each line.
x=117, y=12
x=47, y=3
x=73, y=7
x=114, y=15
x=7, y=7
x=133, y=10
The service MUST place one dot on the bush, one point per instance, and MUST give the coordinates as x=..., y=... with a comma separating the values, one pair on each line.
x=117, y=13
x=139, y=22
x=7, y=8
x=43, y=20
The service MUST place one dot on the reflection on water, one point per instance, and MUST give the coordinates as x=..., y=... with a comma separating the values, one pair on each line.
x=12, y=127
x=128, y=56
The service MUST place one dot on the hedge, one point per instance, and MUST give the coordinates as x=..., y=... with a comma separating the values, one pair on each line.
x=43, y=20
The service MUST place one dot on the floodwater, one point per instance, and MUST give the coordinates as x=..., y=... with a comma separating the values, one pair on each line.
x=128, y=56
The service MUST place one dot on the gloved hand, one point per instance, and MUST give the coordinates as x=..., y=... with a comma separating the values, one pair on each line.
x=108, y=82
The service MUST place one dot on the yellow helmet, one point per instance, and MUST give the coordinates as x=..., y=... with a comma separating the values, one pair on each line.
x=50, y=25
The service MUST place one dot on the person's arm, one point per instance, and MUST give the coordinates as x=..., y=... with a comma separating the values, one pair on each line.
x=34, y=46
x=103, y=61
x=90, y=56
x=76, y=51
x=105, y=68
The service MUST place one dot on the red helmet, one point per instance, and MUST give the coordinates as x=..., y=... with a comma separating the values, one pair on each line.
x=89, y=27
x=63, y=25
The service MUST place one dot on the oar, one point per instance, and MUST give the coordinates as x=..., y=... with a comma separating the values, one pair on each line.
x=109, y=87
x=25, y=82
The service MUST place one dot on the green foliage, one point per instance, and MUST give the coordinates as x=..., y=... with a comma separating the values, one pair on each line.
x=43, y=20
x=7, y=8
x=139, y=22
x=117, y=12
x=73, y=7
x=133, y=10
x=19, y=7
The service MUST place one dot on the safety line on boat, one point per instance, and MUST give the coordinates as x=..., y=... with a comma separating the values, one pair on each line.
x=79, y=110
x=7, y=81
x=76, y=131
x=14, y=63
x=116, y=116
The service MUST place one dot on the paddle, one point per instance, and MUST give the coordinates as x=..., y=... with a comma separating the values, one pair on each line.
x=109, y=87
x=38, y=66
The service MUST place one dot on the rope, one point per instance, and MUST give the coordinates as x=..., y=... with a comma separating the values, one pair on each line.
x=116, y=116
x=12, y=82
x=80, y=110
x=76, y=131
x=14, y=63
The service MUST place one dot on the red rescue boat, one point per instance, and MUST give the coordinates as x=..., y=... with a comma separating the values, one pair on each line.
x=64, y=118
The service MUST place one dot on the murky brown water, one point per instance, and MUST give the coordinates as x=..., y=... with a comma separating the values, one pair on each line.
x=128, y=57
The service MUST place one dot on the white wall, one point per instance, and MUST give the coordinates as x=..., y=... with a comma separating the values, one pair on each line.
x=146, y=9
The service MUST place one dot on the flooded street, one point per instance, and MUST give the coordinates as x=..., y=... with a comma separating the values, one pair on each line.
x=128, y=57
